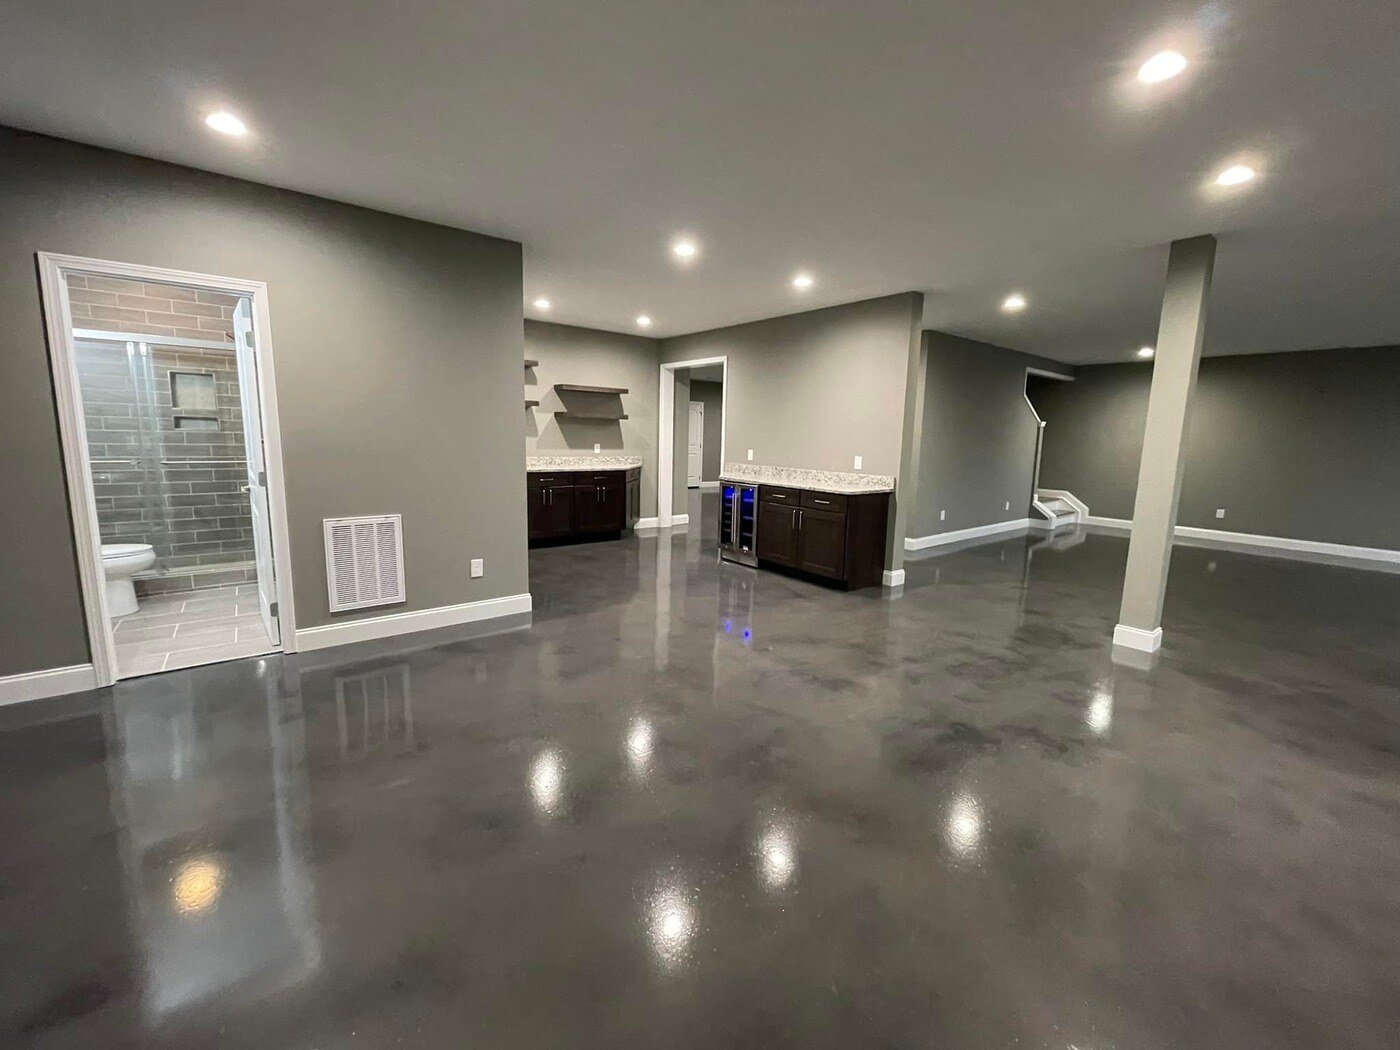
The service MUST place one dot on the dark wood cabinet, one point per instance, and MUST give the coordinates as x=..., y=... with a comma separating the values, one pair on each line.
x=585, y=503
x=777, y=533
x=838, y=537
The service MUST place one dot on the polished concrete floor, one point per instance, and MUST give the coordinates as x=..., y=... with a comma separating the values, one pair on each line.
x=699, y=806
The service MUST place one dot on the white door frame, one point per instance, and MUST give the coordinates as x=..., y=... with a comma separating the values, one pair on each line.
x=666, y=438
x=77, y=465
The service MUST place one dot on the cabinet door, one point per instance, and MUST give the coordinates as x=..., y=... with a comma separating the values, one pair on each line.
x=560, y=511
x=540, y=514
x=777, y=533
x=822, y=543
x=599, y=508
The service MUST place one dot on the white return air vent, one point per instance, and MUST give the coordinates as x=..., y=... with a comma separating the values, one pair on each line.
x=364, y=561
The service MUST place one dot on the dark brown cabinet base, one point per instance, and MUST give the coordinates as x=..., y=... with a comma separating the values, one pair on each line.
x=582, y=504
x=836, y=537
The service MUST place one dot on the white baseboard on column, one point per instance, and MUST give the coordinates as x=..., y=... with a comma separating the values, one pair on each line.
x=376, y=627
x=680, y=519
x=709, y=486
x=646, y=523
x=892, y=578
x=1137, y=638
x=40, y=685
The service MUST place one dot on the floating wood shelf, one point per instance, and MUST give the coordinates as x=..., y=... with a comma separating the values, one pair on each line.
x=589, y=415
x=531, y=363
x=532, y=404
x=578, y=388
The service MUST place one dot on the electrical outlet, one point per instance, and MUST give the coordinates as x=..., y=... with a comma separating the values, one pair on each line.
x=597, y=448
x=1220, y=512
x=750, y=455
x=858, y=462
x=478, y=568
x=942, y=515
x=1008, y=504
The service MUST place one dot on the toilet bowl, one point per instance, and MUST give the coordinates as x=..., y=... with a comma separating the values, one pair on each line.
x=121, y=561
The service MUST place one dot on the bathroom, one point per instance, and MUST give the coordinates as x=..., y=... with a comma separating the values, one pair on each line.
x=161, y=376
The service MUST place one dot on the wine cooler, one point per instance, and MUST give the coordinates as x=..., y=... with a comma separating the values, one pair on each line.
x=738, y=523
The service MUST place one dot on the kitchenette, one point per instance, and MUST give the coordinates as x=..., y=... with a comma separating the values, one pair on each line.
x=822, y=524
x=577, y=498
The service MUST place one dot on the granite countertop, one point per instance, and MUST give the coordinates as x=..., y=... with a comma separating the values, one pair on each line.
x=562, y=463
x=839, y=481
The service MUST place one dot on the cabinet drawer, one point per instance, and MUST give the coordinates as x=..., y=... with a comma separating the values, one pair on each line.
x=540, y=479
x=602, y=477
x=775, y=494
x=831, y=501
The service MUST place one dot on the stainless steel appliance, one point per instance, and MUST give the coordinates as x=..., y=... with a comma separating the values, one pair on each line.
x=738, y=523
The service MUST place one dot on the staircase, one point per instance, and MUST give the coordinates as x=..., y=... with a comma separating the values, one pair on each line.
x=1057, y=508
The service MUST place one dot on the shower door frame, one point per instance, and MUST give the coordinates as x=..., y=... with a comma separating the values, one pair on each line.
x=77, y=463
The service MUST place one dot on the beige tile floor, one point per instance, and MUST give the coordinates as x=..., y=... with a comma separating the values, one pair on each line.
x=169, y=631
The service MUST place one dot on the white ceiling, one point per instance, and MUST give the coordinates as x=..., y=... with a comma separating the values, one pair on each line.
x=965, y=149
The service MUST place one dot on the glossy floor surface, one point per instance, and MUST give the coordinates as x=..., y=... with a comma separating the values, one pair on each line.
x=701, y=806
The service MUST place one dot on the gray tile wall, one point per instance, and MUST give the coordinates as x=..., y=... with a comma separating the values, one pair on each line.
x=195, y=515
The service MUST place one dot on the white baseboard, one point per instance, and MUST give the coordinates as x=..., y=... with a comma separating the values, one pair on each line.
x=375, y=627
x=1281, y=546
x=646, y=523
x=1137, y=638
x=709, y=486
x=680, y=519
x=919, y=543
x=892, y=578
x=39, y=685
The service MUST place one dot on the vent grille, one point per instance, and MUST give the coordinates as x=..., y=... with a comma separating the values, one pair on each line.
x=364, y=561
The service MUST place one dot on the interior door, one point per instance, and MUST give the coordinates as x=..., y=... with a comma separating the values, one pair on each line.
x=246, y=353
x=696, y=456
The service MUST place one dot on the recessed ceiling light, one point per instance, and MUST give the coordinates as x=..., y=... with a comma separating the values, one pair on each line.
x=1162, y=66
x=684, y=248
x=802, y=280
x=1146, y=351
x=644, y=321
x=1014, y=303
x=542, y=303
x=226, y=124
x=1236, y=175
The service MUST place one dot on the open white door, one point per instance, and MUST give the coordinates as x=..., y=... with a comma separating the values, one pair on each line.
x=696, y=456
x=257, y=468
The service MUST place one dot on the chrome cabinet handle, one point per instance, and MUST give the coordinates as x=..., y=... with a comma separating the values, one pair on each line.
x=823, y=502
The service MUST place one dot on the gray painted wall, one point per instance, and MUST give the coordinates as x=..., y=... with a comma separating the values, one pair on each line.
x=978, y=439
x=1302, y=445
x=568, y=354
x=398, y=348
x=712, y=396
x=814, y=389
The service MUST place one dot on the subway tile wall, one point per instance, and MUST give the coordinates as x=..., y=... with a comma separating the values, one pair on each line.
x=178, y=489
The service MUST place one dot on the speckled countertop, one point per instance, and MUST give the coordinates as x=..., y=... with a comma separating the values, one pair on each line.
x=582, y=462
x=850, y=484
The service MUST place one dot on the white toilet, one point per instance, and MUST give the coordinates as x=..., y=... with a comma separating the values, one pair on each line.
x=121, y=561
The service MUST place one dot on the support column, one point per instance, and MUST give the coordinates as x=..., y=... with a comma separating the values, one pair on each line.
x=1174, y=367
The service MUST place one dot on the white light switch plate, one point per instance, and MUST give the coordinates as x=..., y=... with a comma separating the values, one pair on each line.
x=942, y=515
x=1220, y=512
x=750, y=455
x=478, y=567
x=858, y=462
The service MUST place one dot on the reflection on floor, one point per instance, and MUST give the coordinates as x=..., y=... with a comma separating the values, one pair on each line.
x=190, y=628
x=700, y=806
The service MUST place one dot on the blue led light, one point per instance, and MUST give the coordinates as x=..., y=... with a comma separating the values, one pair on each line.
x=728, y=626
x=747, y=634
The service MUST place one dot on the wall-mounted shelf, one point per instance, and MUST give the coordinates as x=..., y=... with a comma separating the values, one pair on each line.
x=532, y=404
x=578, y=388
x=590, y=415
x=531, y=363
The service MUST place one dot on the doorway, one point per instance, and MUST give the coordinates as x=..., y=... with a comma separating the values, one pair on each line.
x=168, y=419
x=704, y=381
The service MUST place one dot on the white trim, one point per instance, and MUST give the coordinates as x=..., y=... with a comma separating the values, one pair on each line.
x=680, y=519
x=666, y=431
x=375, y=627
x=918, y=543
x=73, y=435
x=709, y=486
x=39, y=685
x=645, y=523
x=1137, y=638
x=1069, y=497
x=1049, y=374
x=892, y=578
x=1279, y=546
